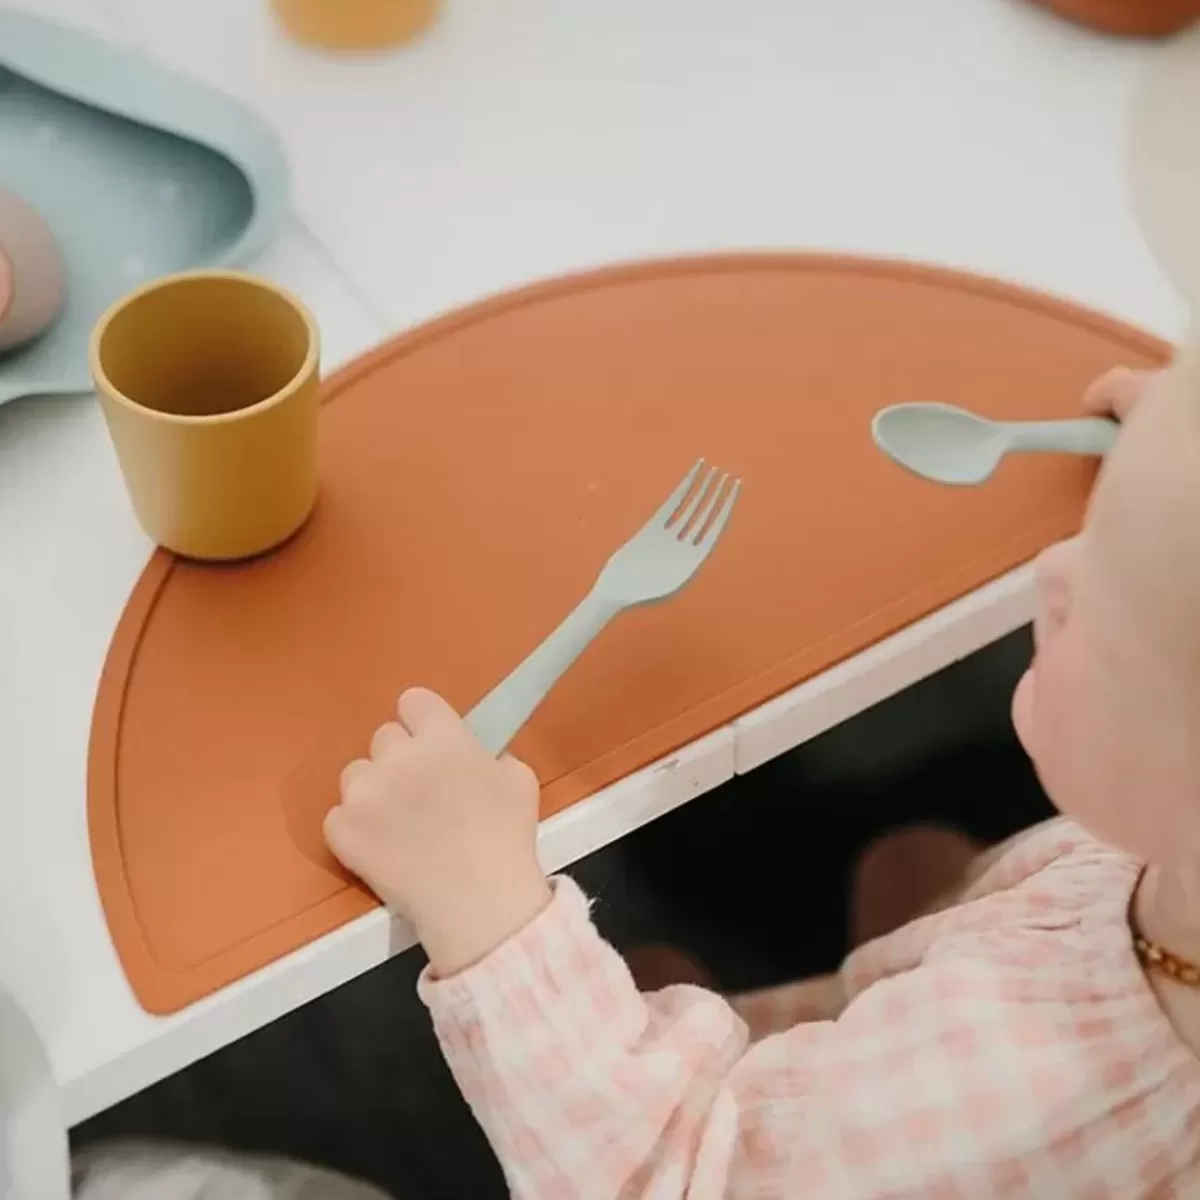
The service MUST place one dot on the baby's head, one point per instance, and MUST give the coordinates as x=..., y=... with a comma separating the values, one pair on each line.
x=1110, y=709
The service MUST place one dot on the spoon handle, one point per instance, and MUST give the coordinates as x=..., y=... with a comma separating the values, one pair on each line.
x=1083, y=435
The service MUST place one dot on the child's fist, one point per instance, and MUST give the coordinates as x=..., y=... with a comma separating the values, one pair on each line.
x=443, y=832
x=1117, y=392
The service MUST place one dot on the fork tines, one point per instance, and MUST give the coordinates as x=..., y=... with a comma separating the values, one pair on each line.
x=700, y=506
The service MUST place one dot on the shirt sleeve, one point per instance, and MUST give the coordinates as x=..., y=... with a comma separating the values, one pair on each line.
x=588, y=1089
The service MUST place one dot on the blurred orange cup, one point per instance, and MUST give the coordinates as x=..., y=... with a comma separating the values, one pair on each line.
x=354, y=24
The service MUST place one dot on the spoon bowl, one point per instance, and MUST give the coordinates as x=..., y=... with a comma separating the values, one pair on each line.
x=940, y=442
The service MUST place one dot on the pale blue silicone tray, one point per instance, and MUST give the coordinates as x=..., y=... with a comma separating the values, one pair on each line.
x=139, y=172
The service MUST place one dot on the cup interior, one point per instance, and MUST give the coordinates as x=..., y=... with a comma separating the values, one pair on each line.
x=204, y=345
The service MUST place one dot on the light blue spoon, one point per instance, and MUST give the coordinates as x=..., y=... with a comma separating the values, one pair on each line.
x=138, y=171
x=950, y=445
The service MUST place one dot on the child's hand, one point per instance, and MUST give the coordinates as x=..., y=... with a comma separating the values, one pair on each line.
x=443, y=832
x=1117, y=392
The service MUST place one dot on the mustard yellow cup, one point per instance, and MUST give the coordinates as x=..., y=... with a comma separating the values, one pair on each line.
x=209, y=382
x=354, y=24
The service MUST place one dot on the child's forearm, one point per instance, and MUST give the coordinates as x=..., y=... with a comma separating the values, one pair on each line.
x=584, y=1087
x=466, y=931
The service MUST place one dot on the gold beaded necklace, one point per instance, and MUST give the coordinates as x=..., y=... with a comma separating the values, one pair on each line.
x=1154, y=957
x=1159, y=959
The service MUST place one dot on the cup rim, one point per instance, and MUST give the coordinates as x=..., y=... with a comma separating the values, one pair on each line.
x=303, y=372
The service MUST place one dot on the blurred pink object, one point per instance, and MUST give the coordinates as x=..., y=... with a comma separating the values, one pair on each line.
x=31, y=273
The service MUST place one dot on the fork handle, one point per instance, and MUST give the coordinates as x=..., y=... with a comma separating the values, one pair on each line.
x=497, y=718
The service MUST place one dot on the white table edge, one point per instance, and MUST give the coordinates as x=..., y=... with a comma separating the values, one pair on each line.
x=908, y=656
x=790, y=719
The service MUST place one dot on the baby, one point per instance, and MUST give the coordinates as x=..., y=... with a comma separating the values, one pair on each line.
x=1035, y=1035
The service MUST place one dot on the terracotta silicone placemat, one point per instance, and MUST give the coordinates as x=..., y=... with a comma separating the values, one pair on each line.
x=476, y=473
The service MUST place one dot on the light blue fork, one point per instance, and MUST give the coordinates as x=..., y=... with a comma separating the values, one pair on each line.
x=654, y=564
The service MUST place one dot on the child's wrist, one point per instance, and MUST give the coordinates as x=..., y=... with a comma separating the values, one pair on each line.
x=466, y=930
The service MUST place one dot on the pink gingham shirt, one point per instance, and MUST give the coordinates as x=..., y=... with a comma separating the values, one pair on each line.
x=1008, y=1046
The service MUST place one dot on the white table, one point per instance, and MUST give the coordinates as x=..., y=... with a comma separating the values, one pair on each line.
x=519, y=139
